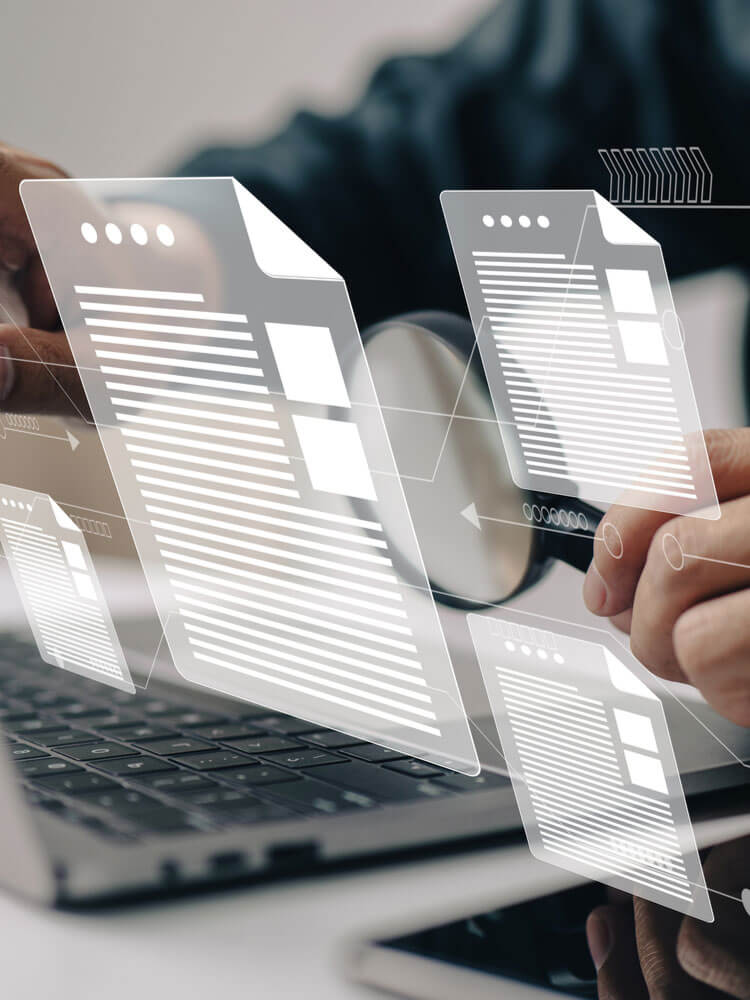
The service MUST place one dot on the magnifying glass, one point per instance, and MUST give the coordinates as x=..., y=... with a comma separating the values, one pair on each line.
x=483, y=539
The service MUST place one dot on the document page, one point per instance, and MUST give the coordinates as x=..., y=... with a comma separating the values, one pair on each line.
x=234, y=440
x=582, y=348
x=590, y=757
x=59, y=588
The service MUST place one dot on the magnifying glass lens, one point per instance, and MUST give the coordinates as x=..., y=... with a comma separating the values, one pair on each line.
x=466, y=509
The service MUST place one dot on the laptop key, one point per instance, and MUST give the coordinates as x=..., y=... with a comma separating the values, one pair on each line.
x=61, y=737
x=156, y=707
x=331, y=740
x=51, y=765
x=311, y=794
x=382, y=785
x=465, y=783
x=373, y=753
x=305, y=757
x=214, y=760
x=104, y=719
x=51, y=699
x=22, y=751
x=194, y=718
x=226, y=731
x=132, y=733
x=80, y=710
x=227, y=804
x=75, y=784
x=35, y=725
x=122, y=801
x=415, y=768
x=286, y=724
x=258, y=774
x=174, y=746
x=127, y=767
x=264, y=744
x=167, y=819
x=142, y=810
x=12, y=713
x=103, y=750
x=174, y=782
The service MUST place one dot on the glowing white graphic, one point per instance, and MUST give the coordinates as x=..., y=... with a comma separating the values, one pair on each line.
x=672, y=175
x=59, y=588
x=582, y=348
x=335, y=458
x=233, y=439
x=308, y=367
x=590, y=757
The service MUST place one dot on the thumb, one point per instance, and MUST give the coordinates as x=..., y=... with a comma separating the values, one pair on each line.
x=38, y=373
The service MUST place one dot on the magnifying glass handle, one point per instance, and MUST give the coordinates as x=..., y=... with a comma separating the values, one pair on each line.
x=575, y=544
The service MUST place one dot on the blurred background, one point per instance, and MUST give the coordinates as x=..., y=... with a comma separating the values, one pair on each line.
x=106, y=88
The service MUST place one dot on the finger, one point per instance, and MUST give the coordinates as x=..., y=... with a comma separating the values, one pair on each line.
x=712, y=646
x=717, y=953
x=16, y=241
x=37, y=296
x=690, y=560
x=656, y=930
x=611, y=938
x=625, y=533
x=38, y=373
x=623, y=621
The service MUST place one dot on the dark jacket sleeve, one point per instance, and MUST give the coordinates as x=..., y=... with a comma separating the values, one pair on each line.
x=524, y=101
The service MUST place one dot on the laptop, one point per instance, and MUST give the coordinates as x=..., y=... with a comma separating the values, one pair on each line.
x=105, y=796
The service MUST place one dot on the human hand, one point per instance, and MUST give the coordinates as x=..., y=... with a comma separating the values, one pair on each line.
x=690, y=624
x=37, y=371
x=642, y=950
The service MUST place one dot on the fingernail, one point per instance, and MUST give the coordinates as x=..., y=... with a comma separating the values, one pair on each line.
x=7, y=372
x=599, y=940
x=12, y=256
x=594, y=590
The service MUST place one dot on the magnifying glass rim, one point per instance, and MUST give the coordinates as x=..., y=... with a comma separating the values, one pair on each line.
x=536, y=567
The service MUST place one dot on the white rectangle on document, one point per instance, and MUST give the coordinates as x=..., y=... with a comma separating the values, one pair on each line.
x=334, y=457
x=74, y=555
x=636, y=730
x=273, y=582
x=642, y=342
x=631, y=291
x=65, y=607
x=308, y=367
x=593, y=398
x=569, y=704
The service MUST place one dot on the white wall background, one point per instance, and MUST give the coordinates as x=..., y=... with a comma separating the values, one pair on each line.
x=125, y=87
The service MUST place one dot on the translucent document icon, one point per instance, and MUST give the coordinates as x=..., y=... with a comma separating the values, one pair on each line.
x=582, y=348
x=590, y=757
x=59, y=588
x=215, y=348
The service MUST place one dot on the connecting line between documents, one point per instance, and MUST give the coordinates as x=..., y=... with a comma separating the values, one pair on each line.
x=162, y=637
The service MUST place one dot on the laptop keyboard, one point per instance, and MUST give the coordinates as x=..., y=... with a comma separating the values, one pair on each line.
x=129, y=767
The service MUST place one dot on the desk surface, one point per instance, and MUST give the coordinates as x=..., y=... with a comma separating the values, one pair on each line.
x=288, y=940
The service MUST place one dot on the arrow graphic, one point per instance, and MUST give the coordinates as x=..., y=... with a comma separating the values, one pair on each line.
x=470, y=513
x=70, y=438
